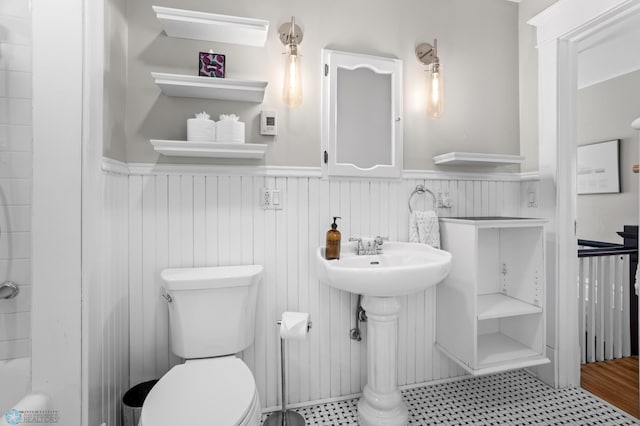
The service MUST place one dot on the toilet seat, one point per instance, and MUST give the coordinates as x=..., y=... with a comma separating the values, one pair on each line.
x=212, y=391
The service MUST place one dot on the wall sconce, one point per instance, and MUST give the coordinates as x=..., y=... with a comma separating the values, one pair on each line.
x=291, y=36
x=428, y=55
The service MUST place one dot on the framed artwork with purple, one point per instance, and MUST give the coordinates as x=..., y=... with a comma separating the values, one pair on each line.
x=211, y=64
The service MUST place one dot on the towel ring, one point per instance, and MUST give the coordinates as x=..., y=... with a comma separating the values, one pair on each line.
x=421, y=190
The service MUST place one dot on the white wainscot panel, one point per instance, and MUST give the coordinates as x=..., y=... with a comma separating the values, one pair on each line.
x=184, y=220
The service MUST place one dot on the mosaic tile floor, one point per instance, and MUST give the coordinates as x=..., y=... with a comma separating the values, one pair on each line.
x=511, y=398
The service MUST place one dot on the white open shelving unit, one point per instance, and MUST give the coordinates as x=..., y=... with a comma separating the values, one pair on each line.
x=490, y=312
x=174, y=148
x=219, y=28
x=477, y=159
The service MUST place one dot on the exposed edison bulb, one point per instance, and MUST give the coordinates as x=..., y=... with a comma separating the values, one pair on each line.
x=292, y=90
x=435, y=92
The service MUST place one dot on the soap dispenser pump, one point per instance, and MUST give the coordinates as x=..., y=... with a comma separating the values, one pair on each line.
x=332, y=249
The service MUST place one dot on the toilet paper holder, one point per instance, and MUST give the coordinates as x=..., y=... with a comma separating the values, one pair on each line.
x=279, y=322
x=285, y=417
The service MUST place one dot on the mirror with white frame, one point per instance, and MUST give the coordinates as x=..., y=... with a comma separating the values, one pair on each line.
x=361, y=115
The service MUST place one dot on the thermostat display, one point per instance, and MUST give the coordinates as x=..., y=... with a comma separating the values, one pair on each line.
x=268, y=123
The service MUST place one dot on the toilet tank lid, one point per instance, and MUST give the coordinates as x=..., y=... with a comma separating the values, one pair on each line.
x=210, y=277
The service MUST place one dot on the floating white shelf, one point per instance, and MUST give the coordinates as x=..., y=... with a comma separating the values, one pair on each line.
x=226, y=89
x=212, y=27
x=477, y=159
x=209, y=149
x=497, y=305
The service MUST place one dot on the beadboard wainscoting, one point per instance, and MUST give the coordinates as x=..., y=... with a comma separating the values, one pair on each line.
x=107, y=307
x=199, y=218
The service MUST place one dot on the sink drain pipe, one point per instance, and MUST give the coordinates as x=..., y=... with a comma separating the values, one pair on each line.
x=361, y=316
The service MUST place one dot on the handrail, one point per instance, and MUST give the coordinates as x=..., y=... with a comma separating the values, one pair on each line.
x=592, y=243
x=602, y=248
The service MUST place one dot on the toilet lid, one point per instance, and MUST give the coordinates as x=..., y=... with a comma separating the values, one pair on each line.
x=214, y=391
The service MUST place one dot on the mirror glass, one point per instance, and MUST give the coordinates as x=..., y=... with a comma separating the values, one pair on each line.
x=361, y=115
x=364, y=121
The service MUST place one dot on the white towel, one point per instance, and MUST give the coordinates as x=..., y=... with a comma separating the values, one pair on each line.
x=424, y=228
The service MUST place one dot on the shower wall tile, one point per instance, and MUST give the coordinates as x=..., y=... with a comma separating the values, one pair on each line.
x=15, y=57
x=15, y=111
x=18, y=304
x=15, y=138
x=15, y=245
x=15, y=174
x=186, y=220
x=16, y=270
x=15, y=219
x=15, y=192
x=15, y=8
x=10, y=349
x=15, y=326
x=16, y=165
x=15, y=30
x=15, y=84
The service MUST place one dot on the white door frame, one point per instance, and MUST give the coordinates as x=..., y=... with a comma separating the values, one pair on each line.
x=560, y=28
x=56, y=213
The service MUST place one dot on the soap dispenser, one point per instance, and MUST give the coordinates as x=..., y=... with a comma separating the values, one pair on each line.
x=332, y=249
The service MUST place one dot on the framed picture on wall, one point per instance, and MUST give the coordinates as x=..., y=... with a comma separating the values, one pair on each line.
x=598, y=168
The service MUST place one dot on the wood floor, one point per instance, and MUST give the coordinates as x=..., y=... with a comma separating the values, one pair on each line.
x=615, y=381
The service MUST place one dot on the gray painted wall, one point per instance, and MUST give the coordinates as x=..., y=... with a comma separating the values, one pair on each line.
x=478, y=43
x=115, y=80
x=605, y=112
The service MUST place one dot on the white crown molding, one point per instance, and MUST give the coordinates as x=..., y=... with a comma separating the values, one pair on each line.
x=438, y=175
x=118, y=167
x=110, y=165
x=530, y=176
x=221, y=169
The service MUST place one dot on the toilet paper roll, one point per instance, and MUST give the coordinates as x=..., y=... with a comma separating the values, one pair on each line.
x=294, y=325
x=199, y=130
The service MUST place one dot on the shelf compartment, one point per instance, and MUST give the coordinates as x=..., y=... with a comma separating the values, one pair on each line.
x=209, y=149
x=498, y=305
x=498, y=367
x=499, y=349
x=194, y=25
x=477, y=159
x=226, y=89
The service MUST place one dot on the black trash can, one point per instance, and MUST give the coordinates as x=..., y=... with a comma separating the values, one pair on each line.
x=132, y=402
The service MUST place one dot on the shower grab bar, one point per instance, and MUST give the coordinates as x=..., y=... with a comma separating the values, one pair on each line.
x=8, y=290
x=421, y=189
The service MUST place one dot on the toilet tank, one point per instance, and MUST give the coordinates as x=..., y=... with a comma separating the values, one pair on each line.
x=211, y=310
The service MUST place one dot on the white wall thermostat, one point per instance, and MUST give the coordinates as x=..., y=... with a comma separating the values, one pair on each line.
x=268, y=124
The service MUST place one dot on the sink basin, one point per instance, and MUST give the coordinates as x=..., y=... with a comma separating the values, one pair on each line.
x=402, y=268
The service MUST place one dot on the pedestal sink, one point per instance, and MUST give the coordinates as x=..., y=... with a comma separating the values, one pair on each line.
x=402, y=268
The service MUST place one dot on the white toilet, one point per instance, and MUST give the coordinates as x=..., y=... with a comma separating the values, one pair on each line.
x=211, y=317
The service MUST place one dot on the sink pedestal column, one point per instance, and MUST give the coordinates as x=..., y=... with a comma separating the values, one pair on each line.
x=381, y=402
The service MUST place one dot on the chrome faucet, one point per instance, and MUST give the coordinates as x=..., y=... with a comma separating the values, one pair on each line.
x=371, y=247
x=359, y=246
